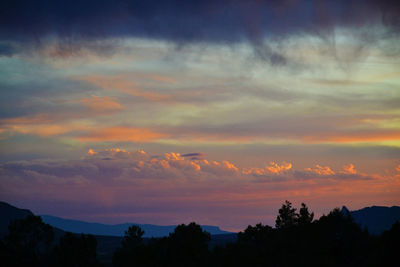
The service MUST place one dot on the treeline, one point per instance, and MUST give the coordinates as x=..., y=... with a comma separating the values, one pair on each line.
x=31, y=242
x=296, y=240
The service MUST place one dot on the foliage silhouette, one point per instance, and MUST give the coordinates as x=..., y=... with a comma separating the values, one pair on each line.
x=75, y=250
x=287, y=216
x=132, y=251
x=333, y=240
x=305, y=217
x=133, y=237
x=28, y=242
x=390, y=246
x=298, y=240
x=188, y=245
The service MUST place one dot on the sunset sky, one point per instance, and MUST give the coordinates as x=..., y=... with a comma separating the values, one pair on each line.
x=168, y=112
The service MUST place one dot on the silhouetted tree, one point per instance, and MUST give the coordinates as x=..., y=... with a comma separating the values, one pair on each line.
x=133, y=237
x=340, y=240
x=304, y=217
x=188, y=245
x=390, y=246
x=287, y=216
x=133, y=251
x=29, y=242
x=332, y=240
x=258, y=233
x=75, y=250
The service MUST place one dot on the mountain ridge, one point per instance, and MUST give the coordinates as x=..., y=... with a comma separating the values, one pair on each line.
x=376, y=219
x=9, y=213
x=151, y=230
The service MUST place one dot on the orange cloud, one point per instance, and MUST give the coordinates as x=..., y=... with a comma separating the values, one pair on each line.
x=355, y=137
x=321, y=170
x=124, y=84
x=349, y=169
x=173, y=156
x=42, y=129
x=92, y=152
x=398, y=168
x=229, y=165
x=121, y=133
x=100, y=104
x=278, y=169
x=41, y=125
x=273, y=169
x=350, y=137
x=39, y=118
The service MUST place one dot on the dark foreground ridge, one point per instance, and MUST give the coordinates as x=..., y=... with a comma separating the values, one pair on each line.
x=297, y=240
x=9, y=213
x=376, y=219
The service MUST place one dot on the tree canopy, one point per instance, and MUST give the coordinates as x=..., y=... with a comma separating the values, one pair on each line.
x=297, y=240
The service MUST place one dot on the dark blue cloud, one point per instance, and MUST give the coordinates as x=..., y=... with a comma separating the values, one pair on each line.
x=226, y=21
x=196, y=20
x=193, y=155
x=6, y=50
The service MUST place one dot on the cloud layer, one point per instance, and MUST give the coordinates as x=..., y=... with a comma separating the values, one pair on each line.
x=119, y=179
x=77, y=24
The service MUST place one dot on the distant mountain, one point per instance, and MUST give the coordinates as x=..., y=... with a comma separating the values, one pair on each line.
x=376, y=219
x=150, y=230
x=9, y=213
x=108, y=237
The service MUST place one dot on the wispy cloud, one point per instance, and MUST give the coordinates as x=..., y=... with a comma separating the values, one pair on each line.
x=101, y=104
x=121, y=134
x=126, y=84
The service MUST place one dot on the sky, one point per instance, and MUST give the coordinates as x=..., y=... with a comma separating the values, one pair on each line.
x=167, y=112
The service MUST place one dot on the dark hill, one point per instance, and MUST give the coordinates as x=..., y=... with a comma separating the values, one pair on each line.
x=376, y=219
x=9, y=213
